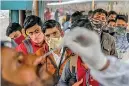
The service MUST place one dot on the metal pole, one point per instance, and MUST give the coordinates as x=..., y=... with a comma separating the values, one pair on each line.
x=35, y=8
x=93, y=5
x=22, y=17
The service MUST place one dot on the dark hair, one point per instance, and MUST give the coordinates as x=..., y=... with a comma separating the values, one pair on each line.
x=12, y=28
x=83, y=22
x=67, y=17
x=31, y=21
x=111, y=13
x=76, y=15
x=100, y=11
x=122, y=17
x=50, y=24
x=111, y=21
x=90, y=13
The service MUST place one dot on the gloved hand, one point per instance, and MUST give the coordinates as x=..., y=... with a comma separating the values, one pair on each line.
x=86, y=43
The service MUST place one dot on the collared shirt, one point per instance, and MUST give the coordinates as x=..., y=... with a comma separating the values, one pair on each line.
x=22, y=47
x=122, y=45
x=57, y=58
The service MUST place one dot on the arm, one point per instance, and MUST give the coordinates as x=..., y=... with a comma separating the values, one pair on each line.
x=116, y=73
x=108, y=71
x=66, y=76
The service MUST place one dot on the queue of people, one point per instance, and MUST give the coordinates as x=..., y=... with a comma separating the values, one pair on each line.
x=87, y=41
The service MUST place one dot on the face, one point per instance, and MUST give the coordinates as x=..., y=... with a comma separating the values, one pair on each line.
x=100, y=16
x=112, y=17
x=15, y=35
x=15, y=69
x=121, y=23
x=52, y=33
x=111, y=24
x=36, y=34
x=20, y=70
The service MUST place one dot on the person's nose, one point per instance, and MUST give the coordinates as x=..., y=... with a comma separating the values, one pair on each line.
x=35, y=35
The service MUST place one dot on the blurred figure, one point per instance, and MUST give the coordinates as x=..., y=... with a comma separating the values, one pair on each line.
x=47, y=14
x=18, y=69
x=14, y=32
x=58, y=58
x=90, y=14
x=122, y=44
x=75, y=16
x=99, y=22
x=67, y=24
x=112, y=15
x=111, y=27
x=74, y=69
x=33, y=29
x=57, y=15
x=108, y=70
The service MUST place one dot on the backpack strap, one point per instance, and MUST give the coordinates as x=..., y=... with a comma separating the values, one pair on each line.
x=87, y=77
x=28, y=46
x=73, y=63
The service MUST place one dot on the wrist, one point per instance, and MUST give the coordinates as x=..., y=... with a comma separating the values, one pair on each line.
x=101, y=62
x=105, y=66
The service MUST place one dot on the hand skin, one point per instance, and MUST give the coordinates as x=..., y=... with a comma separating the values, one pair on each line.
x=78, y=83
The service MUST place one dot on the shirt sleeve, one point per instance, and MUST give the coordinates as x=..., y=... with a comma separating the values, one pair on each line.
x=117, y=74
x=66, y=76
x=113, y=51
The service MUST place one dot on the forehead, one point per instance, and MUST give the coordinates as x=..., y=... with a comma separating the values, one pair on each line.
x=14, y=33
x=120, y=21
x=33, y=28
x=111, y=22
x=51, y=30
x=114, y=15
x=98, y=13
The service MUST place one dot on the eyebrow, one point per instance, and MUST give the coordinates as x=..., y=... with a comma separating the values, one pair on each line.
x=34, y=30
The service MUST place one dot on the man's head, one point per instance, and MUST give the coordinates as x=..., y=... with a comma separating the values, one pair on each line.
x=112, y=23
x=111, y=26
x=83, y=22
x=112, y=15
x=121, y=24
x=121, y=21
x=76, y=15
x=100, y=14
x=20, y=69
x=14, y=30
x=52, y=30
x=33, y=29
x=99, y=20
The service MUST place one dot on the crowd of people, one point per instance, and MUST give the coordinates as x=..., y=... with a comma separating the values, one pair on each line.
x=80, y=61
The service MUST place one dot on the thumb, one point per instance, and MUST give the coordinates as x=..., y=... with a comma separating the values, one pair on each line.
x=80, y=82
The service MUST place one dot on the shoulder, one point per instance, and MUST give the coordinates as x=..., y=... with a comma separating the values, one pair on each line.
x=108, y=37
x=22, y=48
